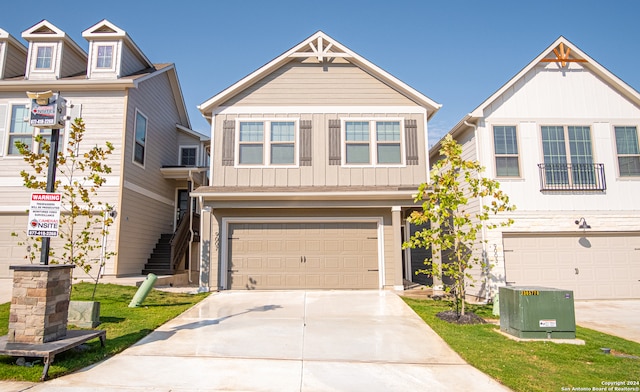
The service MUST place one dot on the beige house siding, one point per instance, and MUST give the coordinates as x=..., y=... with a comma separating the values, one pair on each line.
x=320, y=173
x=143, y=217
x=14, y=62
x=72, y=62
x=299, y=83
x=130, y=62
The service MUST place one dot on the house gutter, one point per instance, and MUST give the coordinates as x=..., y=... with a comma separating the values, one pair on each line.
x=483, y=231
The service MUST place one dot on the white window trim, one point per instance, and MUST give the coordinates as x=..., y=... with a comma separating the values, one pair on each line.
x=54, y=58
x=146, y=140
x=615, y=151
x=94, y=57
x=519, y=155
x=7, y=136
x=185, y=146
x=373, y=143
x=266, y=143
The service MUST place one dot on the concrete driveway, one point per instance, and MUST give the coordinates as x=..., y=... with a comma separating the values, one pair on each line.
x=287, y=341
x=614, y=317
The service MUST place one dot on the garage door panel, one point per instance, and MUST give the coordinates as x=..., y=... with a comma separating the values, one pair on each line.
x=303, y=255
x=607, y=265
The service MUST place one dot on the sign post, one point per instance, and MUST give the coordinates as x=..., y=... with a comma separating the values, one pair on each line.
x=48, y=110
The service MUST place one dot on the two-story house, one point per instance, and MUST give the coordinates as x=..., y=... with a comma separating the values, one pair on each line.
x=315, y=159
x=562, y=138
x=123, y=98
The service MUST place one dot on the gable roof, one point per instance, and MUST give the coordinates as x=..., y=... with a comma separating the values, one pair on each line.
x=5, y=36
x=322, y=47
x=105, y=30
x=550, y=54
x=46, y=31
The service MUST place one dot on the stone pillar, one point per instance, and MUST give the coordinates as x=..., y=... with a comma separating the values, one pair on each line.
x=40, y=303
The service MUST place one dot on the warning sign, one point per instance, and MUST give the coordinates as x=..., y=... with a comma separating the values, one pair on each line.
x=44, y=215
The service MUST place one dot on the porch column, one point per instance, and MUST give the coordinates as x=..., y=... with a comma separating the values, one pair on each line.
x=396, y=224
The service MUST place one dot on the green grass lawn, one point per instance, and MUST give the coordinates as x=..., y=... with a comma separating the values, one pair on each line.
x=533, y=366
x=124, y=327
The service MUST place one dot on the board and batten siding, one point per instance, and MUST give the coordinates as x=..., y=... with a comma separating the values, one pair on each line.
x=319, y=84
x=319, y=172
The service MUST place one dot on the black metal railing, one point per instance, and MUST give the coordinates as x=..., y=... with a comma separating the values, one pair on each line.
x=572, y=177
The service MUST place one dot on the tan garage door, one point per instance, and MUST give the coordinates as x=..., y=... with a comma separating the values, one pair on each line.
x=303, y=256
x=594, y=266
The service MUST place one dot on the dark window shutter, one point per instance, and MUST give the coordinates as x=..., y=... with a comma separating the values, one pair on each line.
x=228, y=142
x=305, y=143
x=411, y=141
x=334, y=143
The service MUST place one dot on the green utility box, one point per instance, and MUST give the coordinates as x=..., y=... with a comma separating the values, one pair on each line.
x=537, y=312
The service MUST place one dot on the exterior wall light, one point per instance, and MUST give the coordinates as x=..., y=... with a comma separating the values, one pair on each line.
x=583, y=224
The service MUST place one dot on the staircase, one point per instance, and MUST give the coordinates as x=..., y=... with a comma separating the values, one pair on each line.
x=159, y=263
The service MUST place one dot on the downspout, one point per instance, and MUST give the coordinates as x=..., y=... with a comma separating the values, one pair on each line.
x=481, y=201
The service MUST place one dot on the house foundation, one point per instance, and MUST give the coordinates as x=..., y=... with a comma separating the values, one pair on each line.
x=39, y=303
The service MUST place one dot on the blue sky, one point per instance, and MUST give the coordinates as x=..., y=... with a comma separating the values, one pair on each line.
x=456, y=52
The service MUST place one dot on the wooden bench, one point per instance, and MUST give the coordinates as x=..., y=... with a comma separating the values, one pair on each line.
x=48, y=351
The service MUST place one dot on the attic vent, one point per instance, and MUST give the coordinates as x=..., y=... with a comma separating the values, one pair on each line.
x=104, y=30
x=43, y=30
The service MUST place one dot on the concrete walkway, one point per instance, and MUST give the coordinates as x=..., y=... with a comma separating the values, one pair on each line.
x=286, y=341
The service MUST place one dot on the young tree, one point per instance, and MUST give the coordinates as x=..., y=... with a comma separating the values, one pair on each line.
x=79, y=176
x=451, y=226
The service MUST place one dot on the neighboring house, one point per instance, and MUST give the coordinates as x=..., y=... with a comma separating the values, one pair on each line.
x=562, y=138
x=123, y=98
x=316, y=157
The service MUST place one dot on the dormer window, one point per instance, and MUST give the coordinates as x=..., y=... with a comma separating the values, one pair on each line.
x=44, y=56
x=105, y=57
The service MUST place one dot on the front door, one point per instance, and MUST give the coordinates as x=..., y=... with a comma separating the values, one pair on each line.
x=183, y=204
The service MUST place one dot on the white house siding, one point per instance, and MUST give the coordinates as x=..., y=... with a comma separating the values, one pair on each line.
x=548, y=96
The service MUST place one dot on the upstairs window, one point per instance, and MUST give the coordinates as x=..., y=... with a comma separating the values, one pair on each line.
x=267, y=143
x=105, y=56
x=567, y=153
x=19, y=129
x=188, y=156
x=44, y=57
x=372, y=143
x=140, y=138
x=628, y=151
x=505, y=145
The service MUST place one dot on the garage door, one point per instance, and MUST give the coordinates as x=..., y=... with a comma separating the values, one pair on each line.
x=593, y=266
x=303, y=256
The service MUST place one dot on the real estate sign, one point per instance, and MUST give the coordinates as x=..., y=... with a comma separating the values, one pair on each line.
x=44, y=215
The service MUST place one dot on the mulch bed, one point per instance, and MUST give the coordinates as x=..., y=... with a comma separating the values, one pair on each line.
x=452, y=317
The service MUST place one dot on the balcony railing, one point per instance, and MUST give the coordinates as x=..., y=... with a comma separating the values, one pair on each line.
x=572, y=177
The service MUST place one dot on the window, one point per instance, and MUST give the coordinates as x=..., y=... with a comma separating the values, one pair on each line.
x=628, y=151
x=505, y=145
x=575, y=168
x=105, y=56
x=188, y=156
x=43, y=57
x=19, y=129
x=140, y=138
x=358, y=146
x=277, y=148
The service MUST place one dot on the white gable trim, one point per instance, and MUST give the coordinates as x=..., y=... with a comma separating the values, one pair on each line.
x=314, y=46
